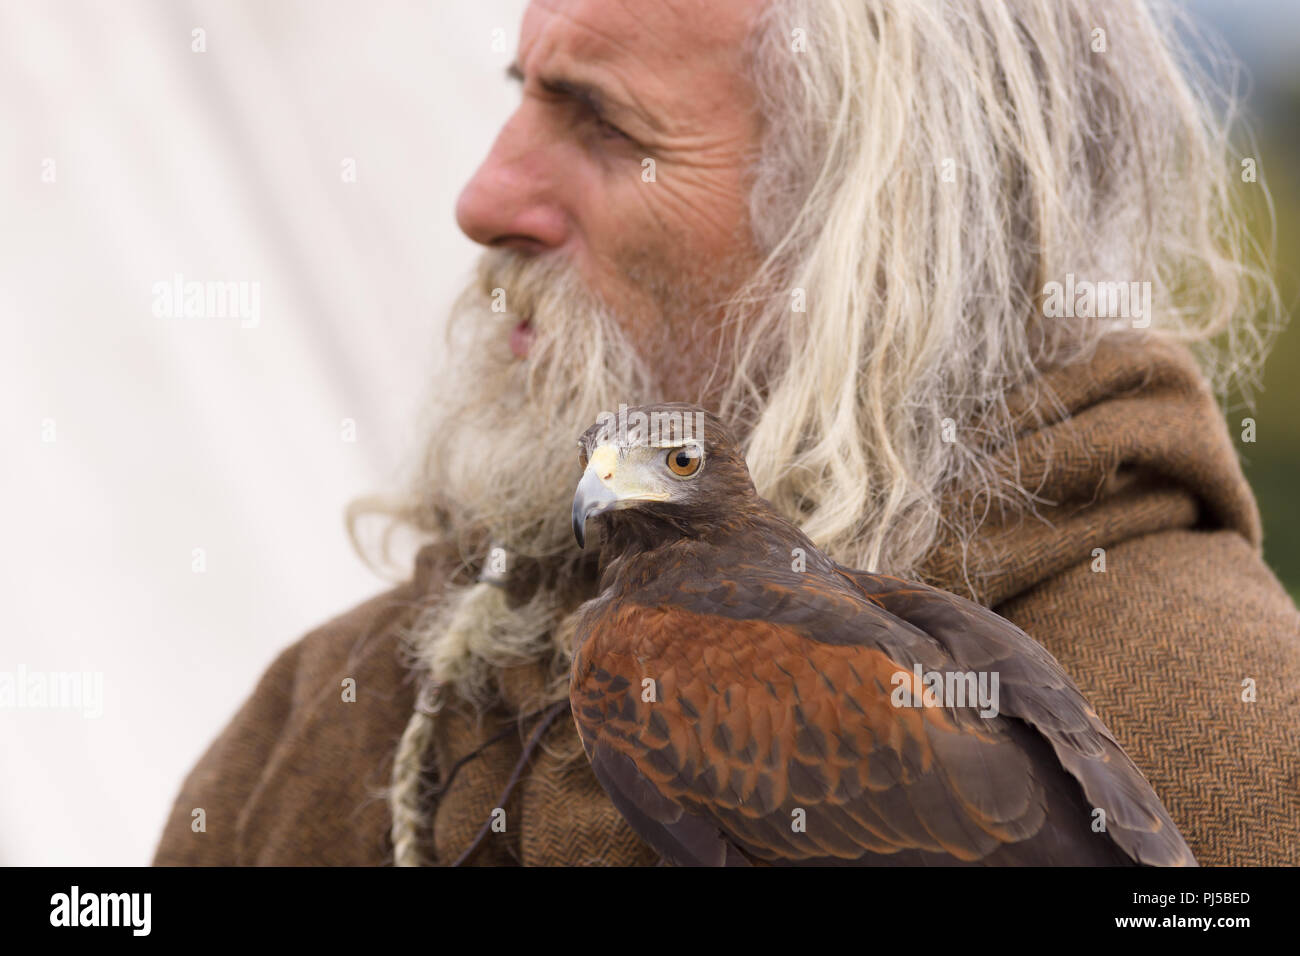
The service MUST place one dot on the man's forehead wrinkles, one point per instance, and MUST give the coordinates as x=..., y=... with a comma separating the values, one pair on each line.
x=588, y=56
x=640, y=29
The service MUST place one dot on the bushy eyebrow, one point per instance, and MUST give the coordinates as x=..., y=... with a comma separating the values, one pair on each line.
x=587, y=95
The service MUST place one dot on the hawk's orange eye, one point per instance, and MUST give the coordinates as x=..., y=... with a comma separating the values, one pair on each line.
x=684, y=461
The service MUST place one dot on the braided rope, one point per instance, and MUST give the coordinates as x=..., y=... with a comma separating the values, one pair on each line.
x=404, y=794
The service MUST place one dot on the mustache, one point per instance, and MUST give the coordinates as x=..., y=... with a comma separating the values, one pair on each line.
x=517, y=413
x=517, y=286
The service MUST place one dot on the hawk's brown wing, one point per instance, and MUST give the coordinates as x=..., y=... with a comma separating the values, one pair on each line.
x=1035, y=688
x=771, y=731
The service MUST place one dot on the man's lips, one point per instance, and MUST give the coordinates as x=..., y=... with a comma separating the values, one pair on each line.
x=521, y=338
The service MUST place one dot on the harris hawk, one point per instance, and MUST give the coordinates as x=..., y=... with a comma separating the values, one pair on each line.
x=744, y=699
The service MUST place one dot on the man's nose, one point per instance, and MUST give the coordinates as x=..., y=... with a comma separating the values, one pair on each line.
x=512, y=199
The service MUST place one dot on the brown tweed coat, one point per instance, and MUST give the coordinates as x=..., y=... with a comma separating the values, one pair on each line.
x=1160, y=641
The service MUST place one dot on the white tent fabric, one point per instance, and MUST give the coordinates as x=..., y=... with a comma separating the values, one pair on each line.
x=175, y=485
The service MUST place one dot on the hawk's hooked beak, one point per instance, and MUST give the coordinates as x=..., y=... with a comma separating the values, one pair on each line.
x=607, y=485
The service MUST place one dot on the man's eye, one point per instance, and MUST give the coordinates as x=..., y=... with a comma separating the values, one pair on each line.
x=609, y=130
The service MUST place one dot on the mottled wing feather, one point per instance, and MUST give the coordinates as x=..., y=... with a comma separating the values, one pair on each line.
x=1035, y=688
x=788, y=748
x=678, y=836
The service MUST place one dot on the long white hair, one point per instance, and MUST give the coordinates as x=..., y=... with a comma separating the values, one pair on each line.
x=928, y=167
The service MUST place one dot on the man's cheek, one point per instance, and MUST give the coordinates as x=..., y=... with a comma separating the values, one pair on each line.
x=699, y=209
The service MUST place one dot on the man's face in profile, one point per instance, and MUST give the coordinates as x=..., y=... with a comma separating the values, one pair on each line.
x=625, y=163
x=614, y=210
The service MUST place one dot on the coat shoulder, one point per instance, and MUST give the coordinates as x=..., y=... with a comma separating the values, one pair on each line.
x=1188, y=648
x=297, y=776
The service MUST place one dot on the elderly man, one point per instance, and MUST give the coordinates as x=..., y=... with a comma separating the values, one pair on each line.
x=963, y=276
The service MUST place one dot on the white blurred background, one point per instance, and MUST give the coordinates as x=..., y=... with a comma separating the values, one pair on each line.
x=130, y=440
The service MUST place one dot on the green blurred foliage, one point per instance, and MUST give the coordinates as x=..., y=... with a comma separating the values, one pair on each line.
x=1271, y=462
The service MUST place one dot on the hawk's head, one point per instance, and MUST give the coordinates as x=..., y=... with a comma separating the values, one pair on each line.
x=677, y=462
